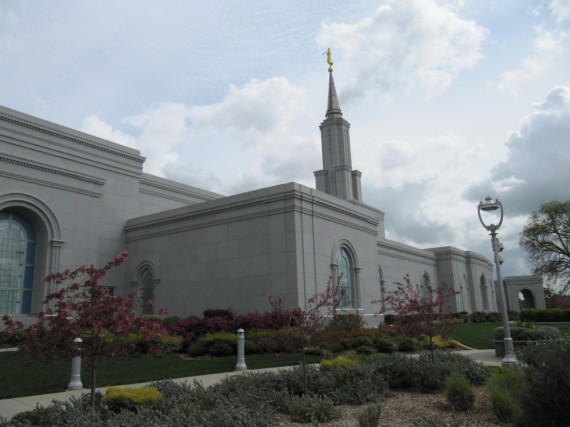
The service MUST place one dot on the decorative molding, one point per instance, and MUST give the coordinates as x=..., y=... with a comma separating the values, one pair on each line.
x=45, y=183
x=71, y=139
x=266, y=201
x=57, y=171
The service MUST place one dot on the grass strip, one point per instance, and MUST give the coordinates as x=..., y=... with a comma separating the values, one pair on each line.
x=23, y=376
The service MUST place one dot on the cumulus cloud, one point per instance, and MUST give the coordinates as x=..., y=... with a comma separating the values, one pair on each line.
x=549, y=43
x=560, y=10
x=418, y=184
x=245, y=141
x=536, y=170
x=417, y=44
x=547, y=46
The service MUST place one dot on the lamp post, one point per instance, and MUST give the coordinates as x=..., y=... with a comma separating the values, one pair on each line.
x=510, y=360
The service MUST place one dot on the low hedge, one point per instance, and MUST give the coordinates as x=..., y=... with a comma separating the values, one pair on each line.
x=545, y=315
x=527, y=334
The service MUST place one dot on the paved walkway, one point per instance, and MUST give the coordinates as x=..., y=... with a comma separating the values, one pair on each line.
x=10, y=407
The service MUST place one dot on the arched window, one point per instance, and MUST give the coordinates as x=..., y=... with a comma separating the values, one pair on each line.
x=484, y=294
x=345, y=273
x=425, y=287
x=146, y=287
x=17, y=258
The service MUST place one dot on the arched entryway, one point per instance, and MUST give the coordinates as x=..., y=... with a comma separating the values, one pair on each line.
x=526, y=298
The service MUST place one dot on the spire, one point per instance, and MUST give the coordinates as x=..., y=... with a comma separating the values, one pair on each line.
x=333, y=107
x=337, y=177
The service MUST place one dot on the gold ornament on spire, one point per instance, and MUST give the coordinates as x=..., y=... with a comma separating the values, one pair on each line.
x=329, y=59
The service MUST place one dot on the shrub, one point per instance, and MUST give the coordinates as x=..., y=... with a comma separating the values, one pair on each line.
x=309, y=409
x=219, y=343
x=547, y=374
x=505, y=407
x=385, y=345
x=220, y=349
x=346, y=322
x=545, y=315
x=337, y=362
x=527, y=334
x=370, y=417
x=476, y=373
x=128, y=398
x=399, y=371
x=197, y=349
x=389, y=319
x=459, y=393
x=363, y=340
x=431, y=376
x=364, y=349
x=506, y=386
x=407, y=344
x=225, y=313
x=267, y=341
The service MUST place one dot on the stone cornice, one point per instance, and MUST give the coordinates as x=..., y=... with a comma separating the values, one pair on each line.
x=60, y=135
x=295, y=196
x=50, y=169
x=51, y=184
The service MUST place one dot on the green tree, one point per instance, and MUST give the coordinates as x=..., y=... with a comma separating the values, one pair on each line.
x=546, y=239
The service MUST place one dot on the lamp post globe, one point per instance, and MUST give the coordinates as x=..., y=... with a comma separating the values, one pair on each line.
x=489, y=205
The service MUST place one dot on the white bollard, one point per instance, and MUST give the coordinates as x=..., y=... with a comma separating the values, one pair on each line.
x=75, y=381
x=240, y=366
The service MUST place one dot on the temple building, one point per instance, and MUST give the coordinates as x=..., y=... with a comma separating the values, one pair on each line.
x=68, y=199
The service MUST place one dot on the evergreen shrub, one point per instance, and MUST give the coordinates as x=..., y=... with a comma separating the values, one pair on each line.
x=309, y=409
x=385, y=345
x=506, y=386
x=459, y=393
x=547, y=376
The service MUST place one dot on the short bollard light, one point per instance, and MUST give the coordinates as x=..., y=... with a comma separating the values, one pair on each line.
x=75, y=381
x=240, y=366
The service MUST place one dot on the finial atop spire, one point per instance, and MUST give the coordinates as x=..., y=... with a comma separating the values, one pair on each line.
x=329, y=59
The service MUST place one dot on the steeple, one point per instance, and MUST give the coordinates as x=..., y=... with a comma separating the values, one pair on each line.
x=337, y=177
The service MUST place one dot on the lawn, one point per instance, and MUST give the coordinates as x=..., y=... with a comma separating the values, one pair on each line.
x=21, y=376
x=475, y=335
x=480, y=335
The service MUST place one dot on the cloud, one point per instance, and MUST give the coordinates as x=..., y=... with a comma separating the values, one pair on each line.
x=536, y=170
x=419, y=185
x=560, y=10
x=547, y=46
x=248, y=140
x=415, y=44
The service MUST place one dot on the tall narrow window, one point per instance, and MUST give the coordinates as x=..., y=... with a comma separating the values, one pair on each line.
x=425, y=287
x=484, y=294
x=17, y=257
x=346, y=281
x=146, y=284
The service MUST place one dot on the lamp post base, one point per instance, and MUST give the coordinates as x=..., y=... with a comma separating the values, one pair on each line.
x=510, y=360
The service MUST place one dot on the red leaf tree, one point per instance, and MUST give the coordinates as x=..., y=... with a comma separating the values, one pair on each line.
x=306, y=323
x=419, y=313
x=84, y=308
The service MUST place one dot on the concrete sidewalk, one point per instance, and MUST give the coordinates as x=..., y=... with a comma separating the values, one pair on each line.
x=10, y=407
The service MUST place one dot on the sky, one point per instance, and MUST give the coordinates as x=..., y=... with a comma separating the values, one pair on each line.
x=449, y=101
